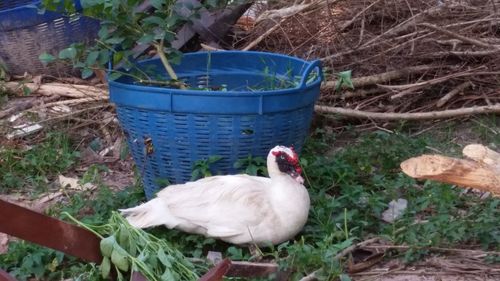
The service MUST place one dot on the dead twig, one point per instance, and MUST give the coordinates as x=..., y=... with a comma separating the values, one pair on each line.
x=59, y=89
x=264, y=35
x=26, y=105
x=459, y=54
x=408, y=116
x=71, y=114
x=458, y=89
x=72, y=102
x=458, y=36
x=351, y=21
x=383, y=77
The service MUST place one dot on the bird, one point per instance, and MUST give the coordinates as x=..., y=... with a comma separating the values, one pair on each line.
x=238, y=209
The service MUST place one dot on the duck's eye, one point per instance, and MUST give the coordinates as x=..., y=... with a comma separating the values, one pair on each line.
x=282, y=157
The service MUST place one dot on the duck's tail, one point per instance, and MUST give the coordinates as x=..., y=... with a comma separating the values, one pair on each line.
x=151, y=213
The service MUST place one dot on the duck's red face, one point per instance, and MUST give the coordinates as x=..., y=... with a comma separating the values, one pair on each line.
x=289, y=164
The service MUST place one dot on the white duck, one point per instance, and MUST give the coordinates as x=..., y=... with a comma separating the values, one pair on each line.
x=238, y=209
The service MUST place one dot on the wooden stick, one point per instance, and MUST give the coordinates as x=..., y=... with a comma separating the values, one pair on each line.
x=408, y=116
x=383, y=77
x=66, y=102
x=26, y=105
x=473, y=54
x=435, y=80
x=60, y=89
x=350, y=22
x=458, y=36
x=264, y=35
x=461, y=172
x=482, y=154
x=361, y=93
x=452, y=93
x=437, y=249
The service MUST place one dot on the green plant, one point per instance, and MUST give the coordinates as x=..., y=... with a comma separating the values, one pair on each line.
x=25, y=260
x=344, y=79
x=129, y=249
x=37, y=165
x=201, y=168
x=255, y=166
x=124, y=25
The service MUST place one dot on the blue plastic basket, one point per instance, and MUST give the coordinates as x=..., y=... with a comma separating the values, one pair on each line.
x=169, y=129
x=25, y=34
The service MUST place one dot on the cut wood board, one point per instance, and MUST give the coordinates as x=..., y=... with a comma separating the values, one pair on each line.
x=481, y=173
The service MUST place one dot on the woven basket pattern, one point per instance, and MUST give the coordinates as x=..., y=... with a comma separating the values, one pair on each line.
x=50, y=33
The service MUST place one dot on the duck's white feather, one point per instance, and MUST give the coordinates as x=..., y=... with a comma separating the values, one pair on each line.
x=239, y=209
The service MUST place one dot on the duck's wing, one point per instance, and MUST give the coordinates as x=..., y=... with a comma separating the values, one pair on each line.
x=224, y=206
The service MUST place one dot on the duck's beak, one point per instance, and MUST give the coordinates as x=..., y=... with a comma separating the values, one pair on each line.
x=297, y=177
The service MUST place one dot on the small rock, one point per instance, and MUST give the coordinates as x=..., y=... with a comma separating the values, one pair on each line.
x=395, y=211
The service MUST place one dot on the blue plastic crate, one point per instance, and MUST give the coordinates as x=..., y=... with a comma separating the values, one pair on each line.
x=25, y=34
x=169, y=129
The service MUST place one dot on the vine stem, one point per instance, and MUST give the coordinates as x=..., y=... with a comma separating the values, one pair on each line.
x=166, y=64
x=82, y=224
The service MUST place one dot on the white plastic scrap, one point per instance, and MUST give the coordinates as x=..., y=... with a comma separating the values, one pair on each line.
x=395, y=210
x=24, y=130
x=15, y=117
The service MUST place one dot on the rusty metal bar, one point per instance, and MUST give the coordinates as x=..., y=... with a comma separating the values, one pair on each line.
x=4, y=276
x=49, y=232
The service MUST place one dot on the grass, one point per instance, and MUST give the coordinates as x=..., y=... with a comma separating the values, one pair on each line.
x=35, y=167
x=349, y=187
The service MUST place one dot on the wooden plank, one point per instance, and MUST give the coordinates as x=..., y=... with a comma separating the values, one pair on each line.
x=461, y=172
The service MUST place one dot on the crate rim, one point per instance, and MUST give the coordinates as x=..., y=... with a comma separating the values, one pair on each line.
x=156, y=89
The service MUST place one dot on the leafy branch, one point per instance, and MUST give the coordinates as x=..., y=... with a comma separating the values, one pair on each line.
x=125, y=25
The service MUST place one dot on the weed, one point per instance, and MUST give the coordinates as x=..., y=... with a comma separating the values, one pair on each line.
x=36, y=166
x=255, y=166
x=201, y=168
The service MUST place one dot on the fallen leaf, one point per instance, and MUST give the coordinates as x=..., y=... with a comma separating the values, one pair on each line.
x=72, y=183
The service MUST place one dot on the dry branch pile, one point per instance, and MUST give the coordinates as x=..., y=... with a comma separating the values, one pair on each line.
x=424, y=56
x=44, y=100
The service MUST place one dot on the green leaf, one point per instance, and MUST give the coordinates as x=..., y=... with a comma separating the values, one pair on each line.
x=105, y=267
x=115, y=40
x=345, y=79
x=251, y=170
x=146, y=39
x=164, y=258
x=168, y=276
x=154, y=20
x=46, y=58
x=92, y=57
x=68, y=53
x=26, y=90
x=107, y=245
x=123, y=235
x=157, y=3
x=86, y=73
x=344, y=277
x=119, y=258
x=113, y=76
x=103, y=32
